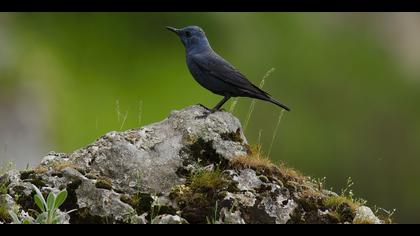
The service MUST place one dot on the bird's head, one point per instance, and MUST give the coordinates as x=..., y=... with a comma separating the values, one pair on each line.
x=193, y=37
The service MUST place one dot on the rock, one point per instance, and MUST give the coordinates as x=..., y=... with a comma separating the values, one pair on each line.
x=228, y=217
x=169, y=219
x=181, y=170
x=279, y=208
x=102, y=202
x=247, y=180
x=364, y=215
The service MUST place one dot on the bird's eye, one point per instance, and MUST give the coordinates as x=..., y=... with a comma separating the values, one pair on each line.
x=188, y=34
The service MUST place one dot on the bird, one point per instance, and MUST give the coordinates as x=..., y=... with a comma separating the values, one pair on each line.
x=215, y=73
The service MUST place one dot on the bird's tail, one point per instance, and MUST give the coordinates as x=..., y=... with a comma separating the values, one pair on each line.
x=274, y=101
x=260, y=94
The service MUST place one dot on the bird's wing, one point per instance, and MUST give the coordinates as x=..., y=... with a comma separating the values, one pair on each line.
x=216, y=66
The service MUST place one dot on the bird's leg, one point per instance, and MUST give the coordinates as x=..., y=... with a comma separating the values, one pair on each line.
x=214, y=109
x=201, y=105
x=220, y=104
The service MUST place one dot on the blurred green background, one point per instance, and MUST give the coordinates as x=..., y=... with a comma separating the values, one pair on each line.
x=351, y=79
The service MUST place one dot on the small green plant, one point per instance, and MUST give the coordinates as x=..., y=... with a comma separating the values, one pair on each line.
x=385, y=215
x=3, y=189
x=348, y=192
x=320, y=183
x=154, y=213
x=207, y=180
x=213, y=219
x=346, y=197
x=16, y=219
x=49, y=208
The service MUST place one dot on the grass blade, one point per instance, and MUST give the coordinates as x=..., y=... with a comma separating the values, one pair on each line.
x=251, y=107
x=276, y=129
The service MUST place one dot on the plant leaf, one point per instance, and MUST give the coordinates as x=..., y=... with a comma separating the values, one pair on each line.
x=38, y=192
x=14, y=217
x=40, y=202
x=61, y=198
x=50, y=201
x=41, y=218
x=26, y=222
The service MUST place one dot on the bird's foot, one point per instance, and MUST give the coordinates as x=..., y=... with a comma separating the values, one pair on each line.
x=206, y=113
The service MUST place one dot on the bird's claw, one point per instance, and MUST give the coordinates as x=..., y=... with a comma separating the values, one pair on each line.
x=208, y=111
x=204, y=115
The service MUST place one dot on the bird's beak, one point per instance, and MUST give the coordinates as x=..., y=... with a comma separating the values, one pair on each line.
x=175, y=30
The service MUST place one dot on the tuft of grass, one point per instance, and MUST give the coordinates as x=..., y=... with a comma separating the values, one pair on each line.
x=255, y=160
x=259, y=162
x=290, y=173
x=104, y=183
x=207, y=180
x=55, y=165
x=59, y=166
x=345, y=198
x=337, y=201
x=40, y=169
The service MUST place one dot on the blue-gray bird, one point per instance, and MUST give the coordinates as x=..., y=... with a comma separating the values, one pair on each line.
x=213, y=72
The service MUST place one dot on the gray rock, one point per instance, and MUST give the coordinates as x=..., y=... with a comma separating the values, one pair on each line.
x=228, y=217
x=281, y=208
x=246, y=199
x=365, y=215
x=148, y=172
x=102, y=202
x=247, y=180
x=169, y=219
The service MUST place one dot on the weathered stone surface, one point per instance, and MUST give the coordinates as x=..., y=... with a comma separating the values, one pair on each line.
x=365, y=215
x=177, y=171
x=169, y=219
